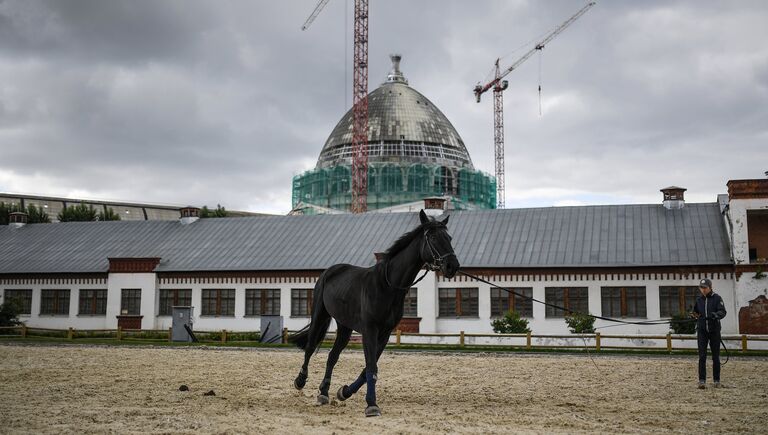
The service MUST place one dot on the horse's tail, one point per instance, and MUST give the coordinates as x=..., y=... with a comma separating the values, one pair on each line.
x=310, y=336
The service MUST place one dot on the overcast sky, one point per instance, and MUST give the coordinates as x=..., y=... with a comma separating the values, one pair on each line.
x=192, y=102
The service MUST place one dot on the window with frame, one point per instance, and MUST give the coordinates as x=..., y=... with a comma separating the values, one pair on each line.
x=22, y=298
x=502, y=301
x=411, y=303
x=92, y=302
x=262, y=302
x=301, y=302
x=54, y=302
x=218, y=302
x=130, y=301
x=623, y=301
x=458, y=302
x=170, y=298
x=573, y=299
x=677, y=299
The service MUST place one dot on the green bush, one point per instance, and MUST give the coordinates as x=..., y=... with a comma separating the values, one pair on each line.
x=580, y=323
x=9, y=316
x=511, y=323
x=682, y=324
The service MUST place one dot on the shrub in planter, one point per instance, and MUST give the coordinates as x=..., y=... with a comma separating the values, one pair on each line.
x=682, y=324
x=511, y=323
x=580, y=323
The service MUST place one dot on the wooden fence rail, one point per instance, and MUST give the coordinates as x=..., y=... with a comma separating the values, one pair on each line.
x=595, y=341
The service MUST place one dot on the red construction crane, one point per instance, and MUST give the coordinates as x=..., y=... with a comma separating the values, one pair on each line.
x=499, y=86
x=359, y=103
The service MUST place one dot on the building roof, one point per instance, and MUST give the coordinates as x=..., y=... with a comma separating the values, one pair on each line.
x=403, y=126
x=585, y=236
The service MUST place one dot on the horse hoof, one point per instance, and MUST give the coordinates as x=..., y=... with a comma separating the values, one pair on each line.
x=373, y=411
x=299, y=382
x=323, y=400
x=340, y=394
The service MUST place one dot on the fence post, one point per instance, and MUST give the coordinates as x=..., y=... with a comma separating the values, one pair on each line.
x=461, y=338
x=70, y=333
x=170, y=335
x=223, y=335
x=285, y=335
x=597, y=341
x=528, y=340
x=119, y=332
x=743, y=342
x=397, y=338
x=23, y=330
x=669, y=342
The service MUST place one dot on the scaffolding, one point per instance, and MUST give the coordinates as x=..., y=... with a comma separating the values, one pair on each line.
x=393, y=184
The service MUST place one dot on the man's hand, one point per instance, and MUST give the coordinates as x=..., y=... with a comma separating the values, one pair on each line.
x=695, y=315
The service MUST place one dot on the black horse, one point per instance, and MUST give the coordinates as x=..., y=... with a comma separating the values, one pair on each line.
x=370, y=301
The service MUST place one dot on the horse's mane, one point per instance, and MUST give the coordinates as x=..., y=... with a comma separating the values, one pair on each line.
x=407, y=238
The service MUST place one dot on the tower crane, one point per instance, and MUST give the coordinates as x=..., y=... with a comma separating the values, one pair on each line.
x=359, y=102
x=499, y=86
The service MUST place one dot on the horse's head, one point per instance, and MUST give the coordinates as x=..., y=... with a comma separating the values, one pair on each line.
x=437, y=251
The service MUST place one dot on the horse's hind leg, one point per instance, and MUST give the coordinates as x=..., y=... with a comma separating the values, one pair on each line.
x=301, y=378
x=342, y=338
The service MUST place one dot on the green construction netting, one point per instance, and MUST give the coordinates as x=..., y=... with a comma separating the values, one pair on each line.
x=390, y=185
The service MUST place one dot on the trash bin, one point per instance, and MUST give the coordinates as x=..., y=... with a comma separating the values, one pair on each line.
x=181, y=328
x=271, y=329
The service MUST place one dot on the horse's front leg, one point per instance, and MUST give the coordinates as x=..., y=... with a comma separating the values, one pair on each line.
x=346, y=391
x=371, y=351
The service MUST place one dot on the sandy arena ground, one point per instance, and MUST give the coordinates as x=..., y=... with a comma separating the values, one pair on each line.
x=121, y=389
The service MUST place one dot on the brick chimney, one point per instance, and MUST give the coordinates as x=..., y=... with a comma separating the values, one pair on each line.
x=17, y=219
x=674, y=197
x=189, y=214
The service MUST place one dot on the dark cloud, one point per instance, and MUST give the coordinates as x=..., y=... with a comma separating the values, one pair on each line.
x=201, y=102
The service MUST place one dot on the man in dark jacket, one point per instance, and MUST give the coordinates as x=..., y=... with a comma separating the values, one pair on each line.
x=708, y=311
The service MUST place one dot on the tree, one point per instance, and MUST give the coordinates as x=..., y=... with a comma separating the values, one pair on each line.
x=78, y=213
x=220, y=211
x=36, y=215
x=108, y=215
x=511, y=323
x=580, y=323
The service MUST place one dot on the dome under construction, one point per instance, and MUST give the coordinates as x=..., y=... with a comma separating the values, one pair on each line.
x=414, y=152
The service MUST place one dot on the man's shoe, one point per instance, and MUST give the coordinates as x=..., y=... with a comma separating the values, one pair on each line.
x=717, y=384
x=702, y=385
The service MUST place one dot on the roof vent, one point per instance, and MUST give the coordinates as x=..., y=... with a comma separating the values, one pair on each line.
x=674, y=197
x=434, y=206
x=17, y=219
x=189, y=214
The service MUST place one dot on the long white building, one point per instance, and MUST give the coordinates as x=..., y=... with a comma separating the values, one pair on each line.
x=628, y=261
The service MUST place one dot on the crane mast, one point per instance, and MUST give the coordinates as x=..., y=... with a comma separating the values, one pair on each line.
x=499, y=85
x=359, y=103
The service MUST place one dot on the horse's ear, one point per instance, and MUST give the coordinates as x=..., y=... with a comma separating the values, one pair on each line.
x=445, y=221
x=423, y=217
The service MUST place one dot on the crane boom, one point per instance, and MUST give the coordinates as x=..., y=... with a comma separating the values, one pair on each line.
x=479, y=90
x=314, y=14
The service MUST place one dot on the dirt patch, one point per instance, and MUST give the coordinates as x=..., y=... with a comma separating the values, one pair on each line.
x=120, y=389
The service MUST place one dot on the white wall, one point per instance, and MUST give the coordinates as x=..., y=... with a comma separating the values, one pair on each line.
x=427, y=307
